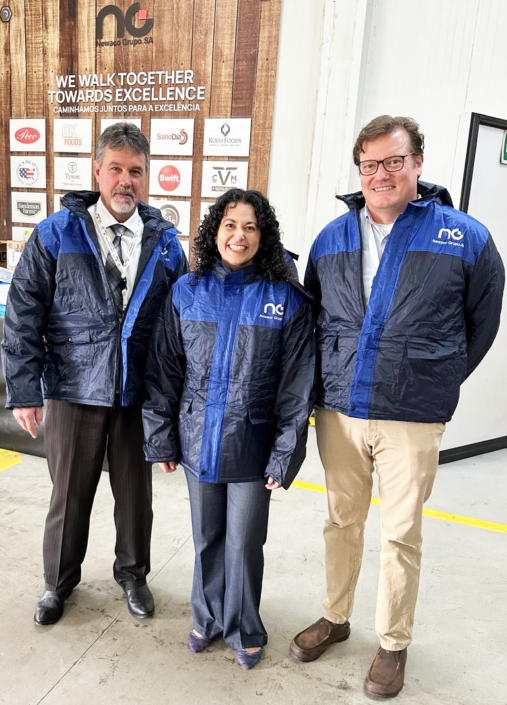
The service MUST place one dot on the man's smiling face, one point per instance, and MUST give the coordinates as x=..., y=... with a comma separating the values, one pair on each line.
x=387, y=193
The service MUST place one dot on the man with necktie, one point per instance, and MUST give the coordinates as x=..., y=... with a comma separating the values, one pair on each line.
x=81, y=307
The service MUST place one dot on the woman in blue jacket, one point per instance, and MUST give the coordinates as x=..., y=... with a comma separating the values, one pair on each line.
x=229, y=379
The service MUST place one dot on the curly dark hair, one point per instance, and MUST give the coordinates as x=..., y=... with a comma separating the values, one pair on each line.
x=270, y=257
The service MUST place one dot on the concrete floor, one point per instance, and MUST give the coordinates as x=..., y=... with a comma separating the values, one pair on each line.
x=98, y=654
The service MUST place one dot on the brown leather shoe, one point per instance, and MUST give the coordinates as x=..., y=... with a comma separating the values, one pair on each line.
x=311, y=643
x=386, y=674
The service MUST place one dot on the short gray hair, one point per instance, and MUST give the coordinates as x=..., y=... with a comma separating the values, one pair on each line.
x=119, y=136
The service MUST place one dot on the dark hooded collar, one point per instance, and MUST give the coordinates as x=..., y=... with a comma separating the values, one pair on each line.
x=244, y=275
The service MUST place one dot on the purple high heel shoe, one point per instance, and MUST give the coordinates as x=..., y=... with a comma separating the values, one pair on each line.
x=248, y=660
x=197, y=643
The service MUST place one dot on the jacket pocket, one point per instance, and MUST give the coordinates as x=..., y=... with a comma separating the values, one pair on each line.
x=432, y=373
x=335, y=366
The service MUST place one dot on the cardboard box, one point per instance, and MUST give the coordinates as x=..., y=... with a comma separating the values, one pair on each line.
x=10, y=252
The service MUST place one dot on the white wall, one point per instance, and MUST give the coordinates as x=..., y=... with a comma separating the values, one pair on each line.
x=343, y=62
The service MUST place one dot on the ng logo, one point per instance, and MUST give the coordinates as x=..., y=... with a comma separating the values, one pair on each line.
x=274, y=310
x=124, y=21
x=455, y=234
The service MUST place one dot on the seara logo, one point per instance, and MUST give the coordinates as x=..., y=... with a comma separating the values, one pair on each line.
x=169, y=178
x=124, y=21
x=27, y=135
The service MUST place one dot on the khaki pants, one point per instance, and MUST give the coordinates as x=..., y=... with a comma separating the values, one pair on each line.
x=405, y=456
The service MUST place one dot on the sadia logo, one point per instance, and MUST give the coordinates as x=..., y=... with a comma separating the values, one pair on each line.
x=27, y=172
x=182, y=138
x=169, y=178
x=27, y=135
x=124, y=22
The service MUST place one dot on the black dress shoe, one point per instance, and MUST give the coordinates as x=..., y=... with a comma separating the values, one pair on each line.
x=50, y=607
x=140, y=601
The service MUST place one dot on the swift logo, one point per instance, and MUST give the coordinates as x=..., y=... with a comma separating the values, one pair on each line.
x=446, y=236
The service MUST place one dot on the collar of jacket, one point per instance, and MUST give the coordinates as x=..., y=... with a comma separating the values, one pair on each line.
x=428, y=192
x=79, y=201
x=244, y=275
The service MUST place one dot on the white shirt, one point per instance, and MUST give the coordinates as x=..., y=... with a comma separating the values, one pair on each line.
x=374, y=243
x=133, y=225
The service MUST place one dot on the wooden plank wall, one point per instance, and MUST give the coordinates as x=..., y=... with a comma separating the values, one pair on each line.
x=231, y=45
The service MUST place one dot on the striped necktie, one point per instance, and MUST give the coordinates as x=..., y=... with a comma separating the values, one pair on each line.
x=116, y=282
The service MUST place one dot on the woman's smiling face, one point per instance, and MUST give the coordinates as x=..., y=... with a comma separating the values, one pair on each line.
x=239, y=236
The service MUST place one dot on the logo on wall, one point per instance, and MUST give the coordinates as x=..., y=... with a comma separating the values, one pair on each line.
x=29, y=208
x=218, y=177
x=73, y=174
x=227, y=138
x=169, y=177
x=170, y=213
x=172, y=136
x=224, y=178
x=27, y=172
x=27, y=135
x=124, y=21
x=72, y=135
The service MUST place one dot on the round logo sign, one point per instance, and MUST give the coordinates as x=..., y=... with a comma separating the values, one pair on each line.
x=170, y=213
x=169, y=177
x=27, y=172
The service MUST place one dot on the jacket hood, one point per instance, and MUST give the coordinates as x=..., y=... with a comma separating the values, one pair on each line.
x=355, y=201
x=79, y=201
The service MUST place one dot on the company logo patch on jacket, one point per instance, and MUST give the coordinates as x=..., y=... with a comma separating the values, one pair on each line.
x=272, y=312
x=453, y=238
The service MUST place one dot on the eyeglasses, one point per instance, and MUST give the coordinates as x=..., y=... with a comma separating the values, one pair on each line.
x=370, y=166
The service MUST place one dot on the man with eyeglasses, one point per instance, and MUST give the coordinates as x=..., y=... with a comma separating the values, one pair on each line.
x=408, y=295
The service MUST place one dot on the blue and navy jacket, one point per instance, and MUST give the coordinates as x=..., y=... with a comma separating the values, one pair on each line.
x=61, y=323
x=433, y=312
x=229, y=377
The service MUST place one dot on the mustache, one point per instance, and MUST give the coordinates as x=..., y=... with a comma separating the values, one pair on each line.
x=124, y=192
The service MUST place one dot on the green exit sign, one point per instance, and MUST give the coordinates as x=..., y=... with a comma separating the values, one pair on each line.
x=503, y=158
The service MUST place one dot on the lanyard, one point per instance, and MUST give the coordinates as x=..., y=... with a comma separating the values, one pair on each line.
x=122, y=267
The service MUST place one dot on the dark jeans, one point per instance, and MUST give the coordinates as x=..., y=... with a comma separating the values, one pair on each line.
x=76, y=438
x=229, y=523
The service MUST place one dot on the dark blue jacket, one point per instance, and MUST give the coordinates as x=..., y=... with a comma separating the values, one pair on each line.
x=229, y=377
x=433, y=312
x=61, y=323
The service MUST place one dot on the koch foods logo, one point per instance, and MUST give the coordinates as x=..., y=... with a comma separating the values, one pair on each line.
x=224, y=178
x=124, y=21
x=181, y=138
x=27, y=135
x=273, y=312
x=30, y=208
x=27, y=172
x=171, y=214
x=169, y=178
x=225, y=141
